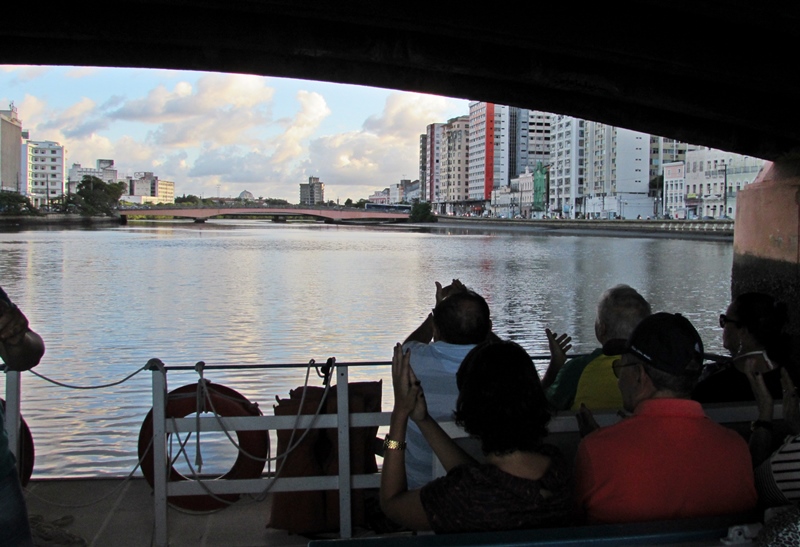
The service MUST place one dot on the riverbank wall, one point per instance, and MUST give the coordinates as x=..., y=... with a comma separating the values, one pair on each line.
x=54, y=219
x=714, y=230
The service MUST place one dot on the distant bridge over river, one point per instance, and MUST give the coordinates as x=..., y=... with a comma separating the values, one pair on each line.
x=278, y=214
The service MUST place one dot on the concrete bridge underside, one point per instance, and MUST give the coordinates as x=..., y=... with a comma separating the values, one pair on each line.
x=332, y=215
x=720, y=74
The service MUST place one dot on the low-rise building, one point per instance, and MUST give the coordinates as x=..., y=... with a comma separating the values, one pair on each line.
x=104, y=170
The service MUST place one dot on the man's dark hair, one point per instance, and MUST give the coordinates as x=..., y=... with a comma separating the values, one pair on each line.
x=463, y=318
x=500, y=398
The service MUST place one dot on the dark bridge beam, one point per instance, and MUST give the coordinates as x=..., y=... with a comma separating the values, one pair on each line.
x=706, y=72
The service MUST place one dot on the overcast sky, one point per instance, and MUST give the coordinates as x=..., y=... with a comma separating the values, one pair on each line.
x=201, y=129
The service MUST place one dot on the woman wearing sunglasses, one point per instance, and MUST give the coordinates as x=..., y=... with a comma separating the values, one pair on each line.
x=752, y=331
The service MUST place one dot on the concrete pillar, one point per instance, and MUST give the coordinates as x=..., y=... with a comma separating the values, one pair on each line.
x=766, y=241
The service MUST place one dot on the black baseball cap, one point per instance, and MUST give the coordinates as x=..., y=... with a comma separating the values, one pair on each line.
x=666, y=341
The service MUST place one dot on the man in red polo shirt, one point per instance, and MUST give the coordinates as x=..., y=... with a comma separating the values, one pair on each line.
x=668, y=460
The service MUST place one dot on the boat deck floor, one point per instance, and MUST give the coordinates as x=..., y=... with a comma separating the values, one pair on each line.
x=60, y=510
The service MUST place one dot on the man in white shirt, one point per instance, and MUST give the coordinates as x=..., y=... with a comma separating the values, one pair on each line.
x=459, y=321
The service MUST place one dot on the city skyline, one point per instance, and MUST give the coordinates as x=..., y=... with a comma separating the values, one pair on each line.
x=202, y=130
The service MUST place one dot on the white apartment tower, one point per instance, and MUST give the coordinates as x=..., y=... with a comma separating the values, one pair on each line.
x=10, y=150
x=43, y=171
x=567, y=140
x=617, y=172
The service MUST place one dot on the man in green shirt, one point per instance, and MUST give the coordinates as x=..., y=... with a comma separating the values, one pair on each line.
x=590, y=379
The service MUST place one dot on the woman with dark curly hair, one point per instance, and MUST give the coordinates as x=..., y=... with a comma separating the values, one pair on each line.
x=523, y=483
x=753, y=333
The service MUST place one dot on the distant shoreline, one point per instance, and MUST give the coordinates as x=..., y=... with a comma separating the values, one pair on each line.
x=707, y=230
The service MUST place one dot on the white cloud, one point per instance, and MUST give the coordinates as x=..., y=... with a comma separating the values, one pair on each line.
x=81, y=72
x=220, y=110
x=24, y=73
x=291, y=143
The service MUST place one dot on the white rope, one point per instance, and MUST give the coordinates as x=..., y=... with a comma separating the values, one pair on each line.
x=46, y=379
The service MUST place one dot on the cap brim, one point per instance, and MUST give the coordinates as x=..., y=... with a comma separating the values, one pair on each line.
x=615, y=346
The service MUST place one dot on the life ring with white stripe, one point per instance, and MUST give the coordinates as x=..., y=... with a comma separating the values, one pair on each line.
x=228, y=403
x=26, y=453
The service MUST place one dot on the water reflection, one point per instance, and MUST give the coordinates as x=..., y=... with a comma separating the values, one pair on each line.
x=249, y=292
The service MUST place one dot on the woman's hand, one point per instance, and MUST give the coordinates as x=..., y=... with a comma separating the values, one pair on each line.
x=764, y=400
x=409, y=399
x=453, y=288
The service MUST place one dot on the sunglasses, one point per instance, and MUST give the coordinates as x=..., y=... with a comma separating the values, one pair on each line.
x=724, y=320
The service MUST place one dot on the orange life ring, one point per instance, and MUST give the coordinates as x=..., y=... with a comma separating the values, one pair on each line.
x=228, y=403
x=25, y=453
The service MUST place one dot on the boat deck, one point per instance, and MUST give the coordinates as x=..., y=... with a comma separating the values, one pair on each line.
x=119, y=513
x=125, y=518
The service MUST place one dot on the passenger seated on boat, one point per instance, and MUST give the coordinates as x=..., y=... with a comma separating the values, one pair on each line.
x=590, y=379
x=523, y=484
x=459, y=321
x=668, y=460
x=20, y=349
x=777, y=474
x=752, y=330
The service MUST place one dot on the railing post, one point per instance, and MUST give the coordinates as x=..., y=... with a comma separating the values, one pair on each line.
x=343, y=421
x=13, y=389
x=159, y=452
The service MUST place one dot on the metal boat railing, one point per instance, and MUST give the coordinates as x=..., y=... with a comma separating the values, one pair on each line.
x=563, y=424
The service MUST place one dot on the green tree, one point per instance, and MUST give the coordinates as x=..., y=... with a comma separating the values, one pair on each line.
x=188, y=200
x=421, y=212
x=348, y=202
x=12, y=203
x=360, y=204
x=95, y=197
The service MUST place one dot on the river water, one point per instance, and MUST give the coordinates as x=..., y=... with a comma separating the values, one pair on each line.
x=251, y=292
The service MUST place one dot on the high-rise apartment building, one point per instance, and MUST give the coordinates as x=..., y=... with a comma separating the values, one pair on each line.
x=533, y=142
x=453, y=188
x=423, y=172
x=10, y=150
x=567, y=164
x=491, y=161
x=617, y=172
x=434, y=135
x=42, y=171
x=312, y=192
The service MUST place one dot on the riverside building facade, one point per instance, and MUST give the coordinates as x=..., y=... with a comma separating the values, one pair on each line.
x=10, y=150
x=43, y=172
